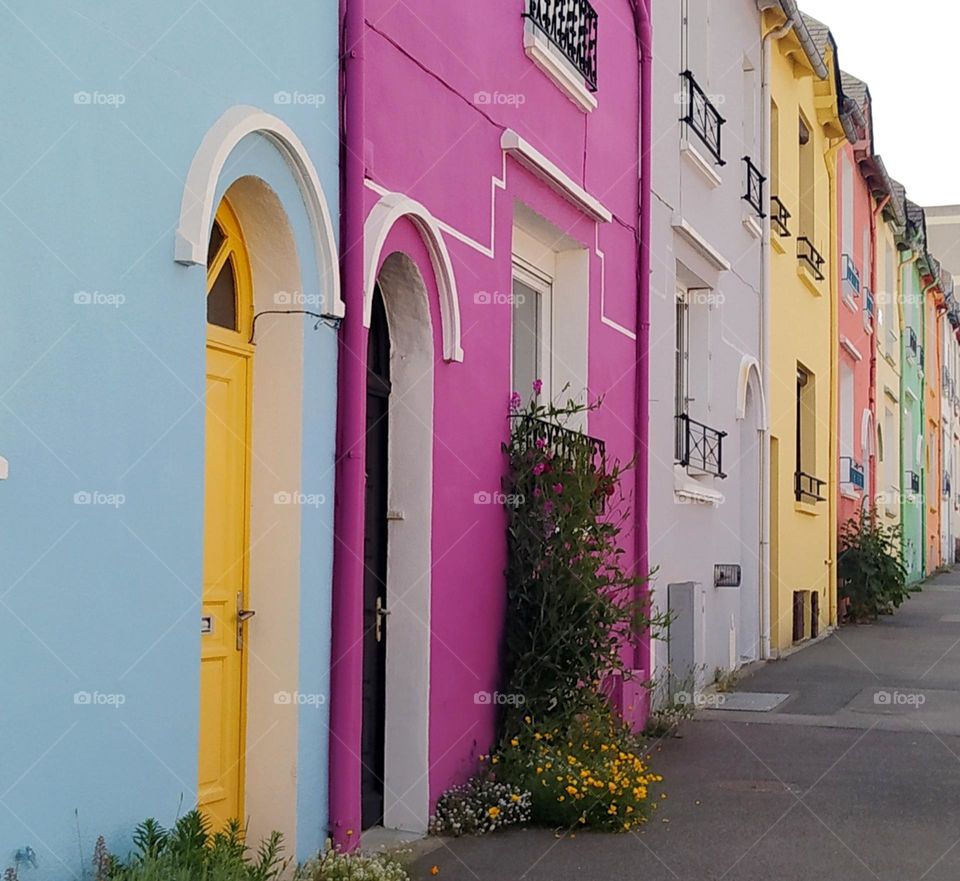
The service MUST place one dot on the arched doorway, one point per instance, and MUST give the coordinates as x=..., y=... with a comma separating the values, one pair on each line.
x=229, y=360
x=375, y=565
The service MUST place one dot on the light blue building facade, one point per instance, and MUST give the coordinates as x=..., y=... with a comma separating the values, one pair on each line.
x=132, y=121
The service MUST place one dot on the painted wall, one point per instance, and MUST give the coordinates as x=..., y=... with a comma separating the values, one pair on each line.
x=802, y=319
x=932, y=408
x=707, y=244
x=438, y=107
x=912, y=419
x=856, y=351
x=102, y=383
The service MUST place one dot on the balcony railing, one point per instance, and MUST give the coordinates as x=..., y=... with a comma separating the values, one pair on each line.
x=913, y=481
x=571, y=25
x=779, y=217
x=755, y=181
x=852, y=473
x=699, y=446
x=911, y=342
x=576, y=451
x=702, y=117
x=811, y=256
x=808, y=488
x=849, y=276
x=947, y=488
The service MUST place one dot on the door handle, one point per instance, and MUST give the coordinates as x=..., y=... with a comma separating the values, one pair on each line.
x=242, y=615
x=381, y=612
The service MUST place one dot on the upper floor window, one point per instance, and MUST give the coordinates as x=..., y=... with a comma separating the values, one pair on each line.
x=560, y=37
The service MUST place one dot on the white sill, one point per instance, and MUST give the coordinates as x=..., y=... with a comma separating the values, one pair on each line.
x=699, y=161
x=549, y=59
x=752, y=224
x=849, y=303
x=808, y=278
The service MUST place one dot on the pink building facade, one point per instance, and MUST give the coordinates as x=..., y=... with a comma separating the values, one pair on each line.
x=492, y=235
x=857, y=308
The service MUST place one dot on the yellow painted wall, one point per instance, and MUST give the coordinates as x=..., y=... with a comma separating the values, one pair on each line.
x=803, y=323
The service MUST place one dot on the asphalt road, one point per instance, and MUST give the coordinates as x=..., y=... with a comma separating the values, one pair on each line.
x=855, y=776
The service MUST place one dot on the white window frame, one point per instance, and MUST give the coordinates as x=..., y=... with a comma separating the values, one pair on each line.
x=543, y=284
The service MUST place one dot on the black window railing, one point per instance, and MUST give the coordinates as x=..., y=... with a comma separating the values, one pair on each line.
x=780, y=217
x=571, y=25
x=700, y=446
x=702, y=117
x=811, y=256
x=808, y=488
x=912, y=343
x=755, y=181
x=913, y=481
x=574, y=451
x=947, y=488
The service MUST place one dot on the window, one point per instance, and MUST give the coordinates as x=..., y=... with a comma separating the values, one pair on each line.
x=532, y=326
x=808, y=181
x=774, y=149
x=807, y=486
x=682, y=354
x=561, y=38
x=846, y=410
x=695, y=47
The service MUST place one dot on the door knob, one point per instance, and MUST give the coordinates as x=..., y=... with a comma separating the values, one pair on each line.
x=242, y=615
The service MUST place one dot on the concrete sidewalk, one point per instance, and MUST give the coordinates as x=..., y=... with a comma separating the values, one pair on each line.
x=855, y=776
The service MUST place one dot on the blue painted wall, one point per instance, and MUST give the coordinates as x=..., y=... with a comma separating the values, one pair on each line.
x=101, y=380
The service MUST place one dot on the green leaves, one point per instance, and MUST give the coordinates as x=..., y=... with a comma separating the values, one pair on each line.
x=870, y=567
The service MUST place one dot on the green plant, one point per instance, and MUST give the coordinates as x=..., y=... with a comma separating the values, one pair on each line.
x=333, y=865
x=482, y=805
x=588, y=771
x=725, y=681
x=870, y=567
x=672, y=702
x=191, y=852
x=572, y=609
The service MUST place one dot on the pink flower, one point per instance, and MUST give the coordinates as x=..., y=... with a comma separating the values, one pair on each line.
x=548, y=508
x=539, y=468
x=536, y=492
x=541, y=443
x=558, y=488
x=515, y=401
x=537, y=386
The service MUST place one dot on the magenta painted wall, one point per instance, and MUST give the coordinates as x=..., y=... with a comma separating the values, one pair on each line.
x=428, y=137
x=852, y=327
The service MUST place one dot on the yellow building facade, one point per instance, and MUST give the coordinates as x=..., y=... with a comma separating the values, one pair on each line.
x=805, y=133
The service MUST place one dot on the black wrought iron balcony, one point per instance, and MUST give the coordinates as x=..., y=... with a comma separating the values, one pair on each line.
x=911, y=342
x=780, y=217
x=811, y=256
x=868, y=299
x=947, y=488
x=913, y=481
x=699, y=446
x=755, y=181
x=703, y=118
x=575, y=451
x=849, y=276
x=808, y=488
x=571, y=25
x=920, y=356
x=852, y=473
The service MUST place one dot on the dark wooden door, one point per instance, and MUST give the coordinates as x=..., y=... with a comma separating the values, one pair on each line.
x=375, y=565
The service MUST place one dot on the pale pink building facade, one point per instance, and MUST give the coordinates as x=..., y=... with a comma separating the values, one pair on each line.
x=491, y=236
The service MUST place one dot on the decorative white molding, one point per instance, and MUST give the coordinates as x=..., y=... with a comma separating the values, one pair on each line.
x=547, y=57
x=753, y=226
x=687, y=489
x=683, y=227
x=533, y=160
x=850, y=347
x=381, y=219
x=750, y=366
x=197, y=204
x=700, y=163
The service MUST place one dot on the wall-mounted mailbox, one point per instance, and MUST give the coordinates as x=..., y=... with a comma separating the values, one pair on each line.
x=726, y=575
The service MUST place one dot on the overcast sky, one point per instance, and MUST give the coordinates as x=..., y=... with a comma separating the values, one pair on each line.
x=907, y=53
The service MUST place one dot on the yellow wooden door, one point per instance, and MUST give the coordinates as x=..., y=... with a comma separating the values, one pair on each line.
x=225, y=528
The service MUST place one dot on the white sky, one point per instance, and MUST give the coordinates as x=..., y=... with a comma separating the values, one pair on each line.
x=906, y=53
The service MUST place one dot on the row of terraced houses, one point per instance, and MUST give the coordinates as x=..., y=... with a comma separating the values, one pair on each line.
x=261, y=568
